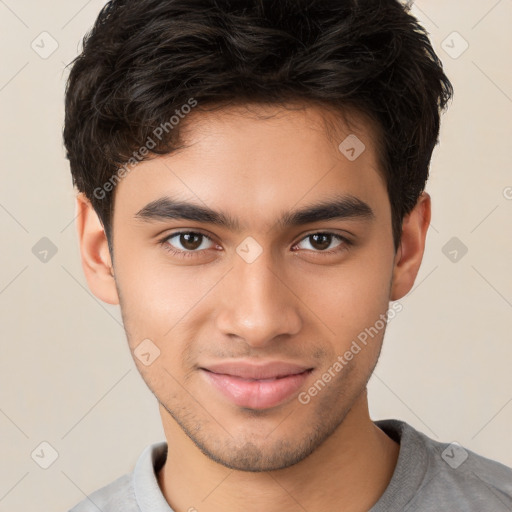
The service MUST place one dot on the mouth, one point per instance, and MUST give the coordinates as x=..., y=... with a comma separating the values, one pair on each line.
x=256, y=386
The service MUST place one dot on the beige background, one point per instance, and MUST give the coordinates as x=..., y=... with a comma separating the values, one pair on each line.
x=66, y=375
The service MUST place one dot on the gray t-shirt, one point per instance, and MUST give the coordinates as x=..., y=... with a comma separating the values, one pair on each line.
x=429, y=477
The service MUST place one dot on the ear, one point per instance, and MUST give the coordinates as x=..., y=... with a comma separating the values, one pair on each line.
x=412, y=244
x=96, y=261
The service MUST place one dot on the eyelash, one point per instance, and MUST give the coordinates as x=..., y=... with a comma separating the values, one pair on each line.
x=346, y=243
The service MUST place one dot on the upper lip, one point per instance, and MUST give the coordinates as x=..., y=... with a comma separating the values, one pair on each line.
x=250, y=370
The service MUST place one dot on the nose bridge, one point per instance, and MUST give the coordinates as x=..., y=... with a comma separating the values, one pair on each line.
x=258, y=306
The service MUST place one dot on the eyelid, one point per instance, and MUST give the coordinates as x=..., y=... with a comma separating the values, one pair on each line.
x=345, y=235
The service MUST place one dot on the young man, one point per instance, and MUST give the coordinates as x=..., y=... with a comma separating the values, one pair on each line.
x=251, y=193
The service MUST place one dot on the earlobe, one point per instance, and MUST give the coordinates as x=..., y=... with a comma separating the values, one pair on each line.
x=412, y=245
x=95, y=255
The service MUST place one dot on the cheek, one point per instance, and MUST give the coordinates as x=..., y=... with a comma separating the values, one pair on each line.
x=156, y=295
x=350, y=297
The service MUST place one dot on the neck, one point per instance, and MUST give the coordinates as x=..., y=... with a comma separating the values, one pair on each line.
x=349, y=471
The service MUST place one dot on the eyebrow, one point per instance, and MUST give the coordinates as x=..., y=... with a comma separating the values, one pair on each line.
x=340, y=207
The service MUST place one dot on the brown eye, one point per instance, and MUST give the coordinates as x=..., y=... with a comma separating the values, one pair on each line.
x=190, y=240
x=320, y=242
x=186, y=242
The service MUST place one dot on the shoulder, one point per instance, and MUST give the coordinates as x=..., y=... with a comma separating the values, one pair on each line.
x=116, y=496
x=473, y=480
x=132, y=491
x=448, y=474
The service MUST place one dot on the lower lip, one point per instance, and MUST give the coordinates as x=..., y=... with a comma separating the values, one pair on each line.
x=257, y=394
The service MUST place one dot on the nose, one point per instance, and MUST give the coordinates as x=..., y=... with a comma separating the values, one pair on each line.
x=257, y=303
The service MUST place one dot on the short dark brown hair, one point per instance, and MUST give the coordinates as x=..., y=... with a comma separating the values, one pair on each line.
x=145, y=60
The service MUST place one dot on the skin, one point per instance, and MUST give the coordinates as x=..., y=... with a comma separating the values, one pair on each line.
x=291, y=303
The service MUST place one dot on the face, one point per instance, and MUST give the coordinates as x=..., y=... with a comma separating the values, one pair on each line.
x=239, y=320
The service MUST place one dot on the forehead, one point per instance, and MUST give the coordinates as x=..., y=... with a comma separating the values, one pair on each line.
x=260, y=160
